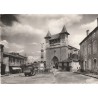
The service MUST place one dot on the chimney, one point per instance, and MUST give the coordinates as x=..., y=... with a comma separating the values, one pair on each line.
x=87, y=32
x=97, y=22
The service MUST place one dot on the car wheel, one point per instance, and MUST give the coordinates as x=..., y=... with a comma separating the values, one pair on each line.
x=25, y=74
x=33, y=73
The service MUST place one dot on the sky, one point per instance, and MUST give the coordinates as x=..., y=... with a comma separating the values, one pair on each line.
x=24, y=33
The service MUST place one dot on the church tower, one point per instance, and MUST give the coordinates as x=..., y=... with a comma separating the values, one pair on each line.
x=48, y=36
x=56, y=47
x=64, y=36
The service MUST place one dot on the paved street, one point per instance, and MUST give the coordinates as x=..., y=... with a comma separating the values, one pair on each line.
x=59, y=78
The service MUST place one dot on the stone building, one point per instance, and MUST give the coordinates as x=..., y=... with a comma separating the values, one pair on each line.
x=89, y=51
x=58, y=52
x=10, y=61
x=1, y=56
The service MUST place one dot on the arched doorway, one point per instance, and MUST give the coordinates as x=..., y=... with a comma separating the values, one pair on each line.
x=55, y=62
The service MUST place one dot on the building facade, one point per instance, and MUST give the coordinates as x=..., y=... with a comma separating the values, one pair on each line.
x=11, y=61
x=1, y=56
x=58, y=51
x=89, y=51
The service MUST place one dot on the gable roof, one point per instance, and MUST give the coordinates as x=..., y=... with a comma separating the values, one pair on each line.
x=89, y=34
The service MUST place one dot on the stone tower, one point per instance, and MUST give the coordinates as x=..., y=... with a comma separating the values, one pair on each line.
x=56, y=47
x=48, y=36
x=64, y=37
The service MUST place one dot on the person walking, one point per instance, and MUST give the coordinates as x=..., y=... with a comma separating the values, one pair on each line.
x=54, y=71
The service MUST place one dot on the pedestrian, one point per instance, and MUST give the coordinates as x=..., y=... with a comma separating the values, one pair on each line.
x=54, y=70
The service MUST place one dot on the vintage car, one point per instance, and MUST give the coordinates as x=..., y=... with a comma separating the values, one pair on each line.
x=29, y=70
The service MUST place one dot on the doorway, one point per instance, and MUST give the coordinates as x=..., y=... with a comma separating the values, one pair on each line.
x=95, y=64
x=55, y=62
x=3, y=66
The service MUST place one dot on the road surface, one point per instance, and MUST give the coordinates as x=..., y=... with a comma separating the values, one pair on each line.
x=58, y=78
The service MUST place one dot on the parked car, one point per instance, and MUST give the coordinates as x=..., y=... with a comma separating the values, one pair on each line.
x=29, y=70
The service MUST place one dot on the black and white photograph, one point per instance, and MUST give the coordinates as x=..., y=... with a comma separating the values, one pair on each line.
x=49, y=48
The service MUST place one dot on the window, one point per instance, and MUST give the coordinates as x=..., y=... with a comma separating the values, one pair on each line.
x=82, y=50
x=89, y=64
x=85, y=51
x=85, y=65
x=54, y=41
x=89, y=49
x=93, y=36
x=94, y=47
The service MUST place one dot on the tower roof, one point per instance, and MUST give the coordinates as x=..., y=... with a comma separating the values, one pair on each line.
x=64, y=30
x=48, y=35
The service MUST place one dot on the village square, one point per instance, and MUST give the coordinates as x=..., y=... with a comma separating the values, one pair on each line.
x=60, y=60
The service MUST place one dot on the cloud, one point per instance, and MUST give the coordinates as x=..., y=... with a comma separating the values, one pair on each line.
x=5, y=43
x=16, y=46
x=20, y=51
x=12, y=47
x=40, y=23
x=34, y=27
x=34, y=43
x=32, y=59
x=29, y=31
x=21, y=28
x=22, y=33
x=55, y=25
x=75, y=40
x=36, y=52
x=36, y=58
x=90, y=26
x=8, y=19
